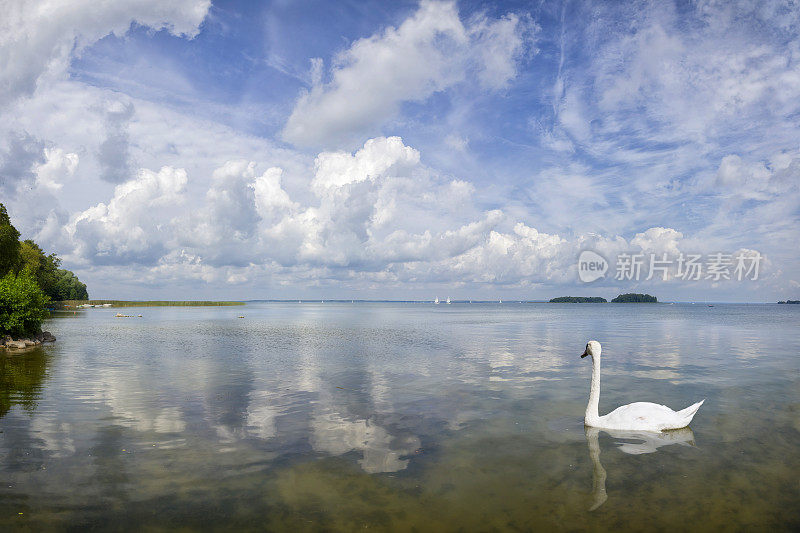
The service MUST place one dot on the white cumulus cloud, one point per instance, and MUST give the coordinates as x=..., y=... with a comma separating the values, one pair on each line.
x=57, y=166
x=131, y=227
x=430, y=51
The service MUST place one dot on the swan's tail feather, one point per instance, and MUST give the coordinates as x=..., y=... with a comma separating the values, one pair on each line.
x=687, y=414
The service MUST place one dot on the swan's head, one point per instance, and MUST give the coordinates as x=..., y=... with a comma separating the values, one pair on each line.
x=592, y=348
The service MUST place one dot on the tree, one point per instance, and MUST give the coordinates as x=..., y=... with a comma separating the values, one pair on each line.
x=22, y=305
x=69, y=287
x=57, y=284
x=9, y=244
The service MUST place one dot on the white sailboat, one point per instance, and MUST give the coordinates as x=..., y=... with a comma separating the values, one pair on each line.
x=448, y=301
x=436, y=301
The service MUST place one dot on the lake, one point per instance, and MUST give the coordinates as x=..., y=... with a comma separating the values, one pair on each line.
x=401, y=416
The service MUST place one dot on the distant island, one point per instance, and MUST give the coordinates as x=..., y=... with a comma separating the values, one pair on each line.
x=578, y=300
x=790, y=302
x=83, y=304
x=633, y=297
x=630, y=297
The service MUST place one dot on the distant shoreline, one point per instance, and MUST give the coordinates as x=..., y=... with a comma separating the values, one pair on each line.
x=465, y=301
x=76, y=304
x=73, y=304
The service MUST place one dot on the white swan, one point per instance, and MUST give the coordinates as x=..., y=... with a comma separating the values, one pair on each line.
x=639, y=416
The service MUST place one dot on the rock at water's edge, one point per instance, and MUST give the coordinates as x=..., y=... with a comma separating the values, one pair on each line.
x=19, y=344
x=16, y=345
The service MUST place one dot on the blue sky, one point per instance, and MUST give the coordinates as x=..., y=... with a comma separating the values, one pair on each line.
x=403, y=149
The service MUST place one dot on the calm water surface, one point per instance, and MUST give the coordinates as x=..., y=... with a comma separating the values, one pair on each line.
x=340, y=417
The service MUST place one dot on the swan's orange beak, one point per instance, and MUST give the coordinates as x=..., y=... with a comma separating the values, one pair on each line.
x=585, y=352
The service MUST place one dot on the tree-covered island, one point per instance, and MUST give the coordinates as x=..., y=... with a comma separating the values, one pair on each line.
x=578, y=300
x=633, y=297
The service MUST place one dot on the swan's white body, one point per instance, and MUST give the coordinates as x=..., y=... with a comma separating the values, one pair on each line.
x=639, y=416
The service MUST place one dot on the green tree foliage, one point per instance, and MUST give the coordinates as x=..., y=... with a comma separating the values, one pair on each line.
x=58, y=284
x=578, y=300
x=43, y=267
x=22, y=305
x=69, y=287
x=9, y=244
x=632, y=297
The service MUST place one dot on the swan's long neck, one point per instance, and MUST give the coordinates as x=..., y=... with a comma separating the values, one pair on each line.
x=592, y=414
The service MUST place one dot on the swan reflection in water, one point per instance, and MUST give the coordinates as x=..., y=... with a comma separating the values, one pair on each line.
x=644, y=442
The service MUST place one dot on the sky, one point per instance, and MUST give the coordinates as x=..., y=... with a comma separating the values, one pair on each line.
x=406, y=150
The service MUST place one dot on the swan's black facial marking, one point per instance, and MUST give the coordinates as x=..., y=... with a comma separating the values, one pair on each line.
x=585, y=352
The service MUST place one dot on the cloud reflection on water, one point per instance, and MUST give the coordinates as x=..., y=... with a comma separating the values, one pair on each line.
x=293, y=385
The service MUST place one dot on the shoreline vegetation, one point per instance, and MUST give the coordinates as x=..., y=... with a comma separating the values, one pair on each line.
x=85, y=304
x=30, y=280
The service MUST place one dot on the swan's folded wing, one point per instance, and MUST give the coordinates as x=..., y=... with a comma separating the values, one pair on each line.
x=640, y=415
